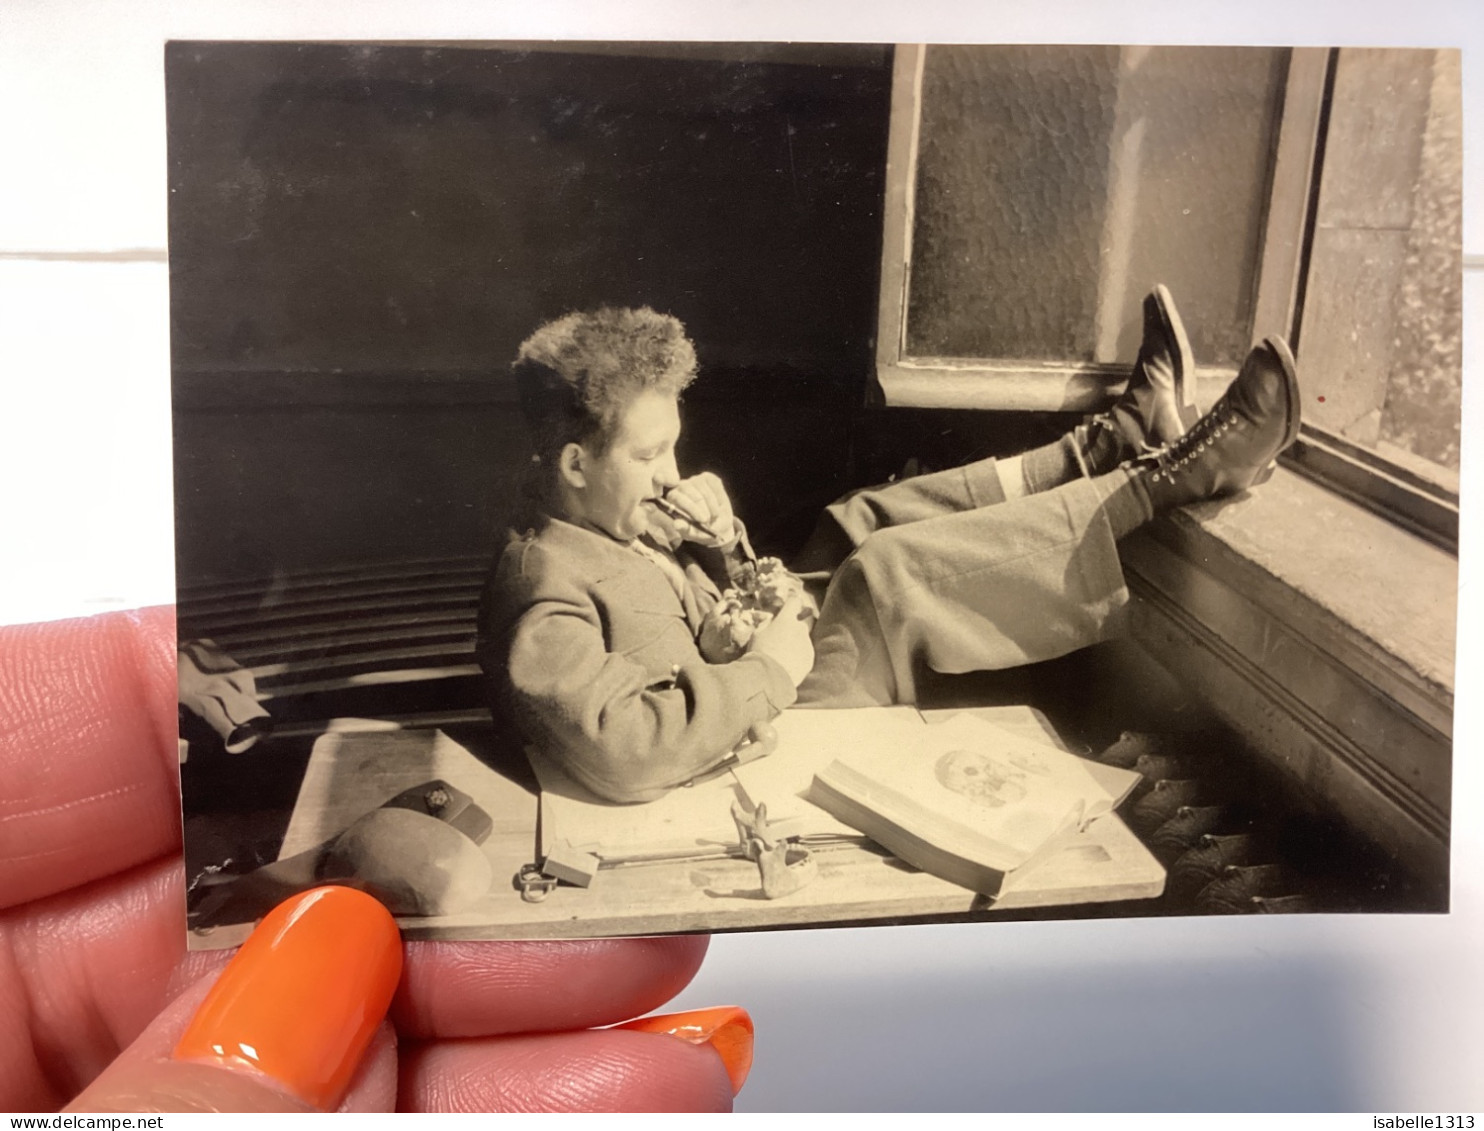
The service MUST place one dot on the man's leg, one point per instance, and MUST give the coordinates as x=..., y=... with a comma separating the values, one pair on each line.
x=1037, y=577
x=1153, y=411
x=975, y=590
x=847, y=523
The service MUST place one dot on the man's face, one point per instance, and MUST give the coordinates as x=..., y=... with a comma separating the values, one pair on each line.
x=637, y=466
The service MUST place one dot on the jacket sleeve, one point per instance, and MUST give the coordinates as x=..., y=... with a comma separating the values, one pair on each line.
x=606, y=720
x=726, y=567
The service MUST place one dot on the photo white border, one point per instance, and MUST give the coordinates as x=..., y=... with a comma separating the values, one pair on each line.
x=86, y=450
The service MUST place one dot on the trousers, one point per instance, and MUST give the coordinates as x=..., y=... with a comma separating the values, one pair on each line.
x=941, y=572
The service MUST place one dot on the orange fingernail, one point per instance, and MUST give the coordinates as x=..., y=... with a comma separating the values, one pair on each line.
x=302, y=998
x=726, y=1028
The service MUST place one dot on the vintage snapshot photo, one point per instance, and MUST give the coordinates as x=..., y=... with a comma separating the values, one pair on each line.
x=633, y=488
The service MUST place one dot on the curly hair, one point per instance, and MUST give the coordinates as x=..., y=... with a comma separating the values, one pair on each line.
x=577, y=374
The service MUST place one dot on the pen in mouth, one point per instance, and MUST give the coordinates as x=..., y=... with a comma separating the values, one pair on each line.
x=665, y=505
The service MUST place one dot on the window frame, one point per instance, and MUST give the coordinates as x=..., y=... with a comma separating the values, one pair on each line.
x=1415, y=494
x=1425, y=504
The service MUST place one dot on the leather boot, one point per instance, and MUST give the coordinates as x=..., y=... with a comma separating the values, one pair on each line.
x=1236, y=444
x=1158, y=405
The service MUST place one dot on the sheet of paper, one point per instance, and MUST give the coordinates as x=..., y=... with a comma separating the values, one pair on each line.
x=809, y=740
x=691, y=819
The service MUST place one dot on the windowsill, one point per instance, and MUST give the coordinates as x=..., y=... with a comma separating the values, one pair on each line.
x=1325, y=634
x=1385, y=589
x=1018, y=386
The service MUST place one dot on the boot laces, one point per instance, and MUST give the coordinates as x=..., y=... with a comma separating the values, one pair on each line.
x=1174, y=458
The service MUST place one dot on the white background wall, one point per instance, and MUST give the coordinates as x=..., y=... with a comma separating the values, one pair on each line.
x=1361, y=1013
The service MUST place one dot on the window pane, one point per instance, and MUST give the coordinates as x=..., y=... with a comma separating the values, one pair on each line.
x=1381, y=347
x=1055, y=185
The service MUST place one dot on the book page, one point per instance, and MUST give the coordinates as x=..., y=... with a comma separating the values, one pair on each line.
x=969, y=777
x=1030, y=723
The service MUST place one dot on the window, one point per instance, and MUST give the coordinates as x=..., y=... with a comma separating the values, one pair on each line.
x=1379, y=327
x=1035, y=193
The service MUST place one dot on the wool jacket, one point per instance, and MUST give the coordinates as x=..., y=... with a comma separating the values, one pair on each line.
x=591, y=653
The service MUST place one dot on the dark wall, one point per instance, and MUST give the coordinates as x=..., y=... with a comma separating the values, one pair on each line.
x=361, y=236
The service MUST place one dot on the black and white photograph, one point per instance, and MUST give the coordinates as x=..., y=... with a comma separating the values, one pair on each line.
x=651, y=487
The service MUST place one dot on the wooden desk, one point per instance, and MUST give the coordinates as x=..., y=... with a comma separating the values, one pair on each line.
x=356, y=765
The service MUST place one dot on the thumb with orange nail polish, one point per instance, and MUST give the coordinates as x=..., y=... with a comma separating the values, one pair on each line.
x=725, y=1029
x=295, y=1022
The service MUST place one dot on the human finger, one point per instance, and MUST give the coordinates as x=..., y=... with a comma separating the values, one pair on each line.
x=665, y=528
x=707, y=487
x=463, y=989
x=87, y=971
x=688, y=498
x=721, y=502
x=87, y=750
x=597, y=1070
x=792, y=607
x=296, y=1021
x=93, y=966
x=704, y=497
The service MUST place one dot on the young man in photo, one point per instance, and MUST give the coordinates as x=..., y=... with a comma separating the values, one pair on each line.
x=605, y=632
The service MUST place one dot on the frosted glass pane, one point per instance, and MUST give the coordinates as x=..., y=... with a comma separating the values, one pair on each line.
x=1056, y=185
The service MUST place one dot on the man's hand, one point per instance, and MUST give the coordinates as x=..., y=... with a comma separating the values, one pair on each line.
x=728, y=628
x=704, y=498
x=786, y=639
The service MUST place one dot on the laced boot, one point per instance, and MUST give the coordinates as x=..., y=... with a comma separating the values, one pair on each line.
x=1236, y=444
x=1158, y=405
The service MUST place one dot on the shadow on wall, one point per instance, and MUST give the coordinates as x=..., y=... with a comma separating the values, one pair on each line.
x=361, y=236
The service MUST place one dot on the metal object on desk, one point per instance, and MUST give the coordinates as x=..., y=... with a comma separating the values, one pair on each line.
x=533, y=884
x=784, y=864
x=571, y=865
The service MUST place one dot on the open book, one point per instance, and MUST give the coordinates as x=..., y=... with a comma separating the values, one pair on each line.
x=967, y=800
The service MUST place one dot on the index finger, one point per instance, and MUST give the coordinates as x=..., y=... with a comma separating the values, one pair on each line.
x=709, y=485
x=87, y=750
x=696, y=503
x=477, y=989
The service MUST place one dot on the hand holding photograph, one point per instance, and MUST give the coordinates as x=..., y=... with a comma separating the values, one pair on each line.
x=633, y=488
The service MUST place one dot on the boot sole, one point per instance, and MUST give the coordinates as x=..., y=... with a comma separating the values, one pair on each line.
x=1184, y=397
x=1280, y=350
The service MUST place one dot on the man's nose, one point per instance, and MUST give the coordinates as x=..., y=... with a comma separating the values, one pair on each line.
x=666, y=473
